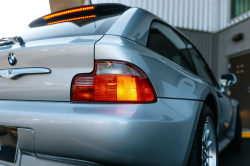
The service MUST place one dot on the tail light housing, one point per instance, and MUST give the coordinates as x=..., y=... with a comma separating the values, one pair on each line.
x=113, y=81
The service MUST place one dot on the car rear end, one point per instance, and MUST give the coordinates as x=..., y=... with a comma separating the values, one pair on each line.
x=61, y=104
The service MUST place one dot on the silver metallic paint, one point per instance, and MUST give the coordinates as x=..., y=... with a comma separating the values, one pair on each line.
x=65, y=160
x=98, y=133
x=35, y=161
x=26, y=140
x=231, y=129
x=64, y=56
x=169, y=79
x=134, y=24
x=160, y=133
x=125, y=26
x=226, y=115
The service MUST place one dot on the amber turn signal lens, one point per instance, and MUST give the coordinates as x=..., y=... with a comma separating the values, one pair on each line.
x=113, y=82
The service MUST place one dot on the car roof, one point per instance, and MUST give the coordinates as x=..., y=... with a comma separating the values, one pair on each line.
x=134, y=24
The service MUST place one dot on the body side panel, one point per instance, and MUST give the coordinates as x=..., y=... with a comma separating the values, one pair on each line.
x=168, y=78
x=134, y=24
x=230, y=133
x=52, y=161
x=226, y=116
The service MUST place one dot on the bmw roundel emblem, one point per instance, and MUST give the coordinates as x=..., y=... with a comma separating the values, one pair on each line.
x=12, y=59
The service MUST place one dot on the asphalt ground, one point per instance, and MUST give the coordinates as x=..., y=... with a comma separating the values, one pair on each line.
x=237, y=158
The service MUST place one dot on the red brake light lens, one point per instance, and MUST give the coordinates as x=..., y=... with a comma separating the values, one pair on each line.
x=113, y=82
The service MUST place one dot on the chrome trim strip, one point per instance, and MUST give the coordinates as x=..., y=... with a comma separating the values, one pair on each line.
x=16, y=73
x=6, y=41
x=67, y=160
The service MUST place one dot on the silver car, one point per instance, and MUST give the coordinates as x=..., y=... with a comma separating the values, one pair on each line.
x=111, y=85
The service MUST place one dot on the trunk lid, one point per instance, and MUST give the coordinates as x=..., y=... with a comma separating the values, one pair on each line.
x=65, y=49
x=65, y=57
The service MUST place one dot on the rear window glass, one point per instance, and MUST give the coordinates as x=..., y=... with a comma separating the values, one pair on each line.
x=67, y=29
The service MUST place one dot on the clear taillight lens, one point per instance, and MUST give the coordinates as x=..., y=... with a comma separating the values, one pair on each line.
x=113, y=82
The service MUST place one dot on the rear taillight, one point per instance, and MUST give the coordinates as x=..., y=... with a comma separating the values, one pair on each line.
x=113, y=82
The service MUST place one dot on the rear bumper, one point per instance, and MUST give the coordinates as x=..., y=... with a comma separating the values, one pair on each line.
x=160, y=133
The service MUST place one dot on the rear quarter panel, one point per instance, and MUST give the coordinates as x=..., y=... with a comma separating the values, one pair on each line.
x=169, y=79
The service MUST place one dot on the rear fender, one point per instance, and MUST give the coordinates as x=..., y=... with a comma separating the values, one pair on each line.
x=169, y=79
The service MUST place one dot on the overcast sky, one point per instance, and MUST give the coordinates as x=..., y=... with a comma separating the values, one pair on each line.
x=15, y=15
